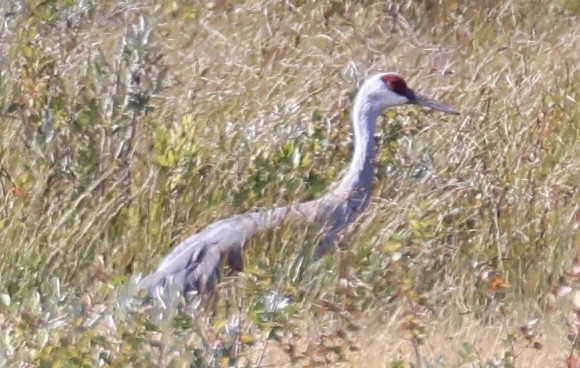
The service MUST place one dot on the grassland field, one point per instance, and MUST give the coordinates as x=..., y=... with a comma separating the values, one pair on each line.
x=128, y=125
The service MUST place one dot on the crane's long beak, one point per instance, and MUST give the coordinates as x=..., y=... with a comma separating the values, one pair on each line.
x=417, y=99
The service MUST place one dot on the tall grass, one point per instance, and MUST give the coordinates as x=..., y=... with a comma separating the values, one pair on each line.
x=129, y=125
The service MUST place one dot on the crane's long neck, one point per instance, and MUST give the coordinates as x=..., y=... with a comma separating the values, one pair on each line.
x=353, y=192
x=360, y=172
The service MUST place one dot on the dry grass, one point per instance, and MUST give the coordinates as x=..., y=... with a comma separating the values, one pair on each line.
x=446, y=346
x=122, y=136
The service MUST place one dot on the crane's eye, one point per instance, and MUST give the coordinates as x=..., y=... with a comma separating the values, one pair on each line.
x=396, y=84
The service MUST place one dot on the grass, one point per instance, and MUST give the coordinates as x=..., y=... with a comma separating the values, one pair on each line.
x=129, y=125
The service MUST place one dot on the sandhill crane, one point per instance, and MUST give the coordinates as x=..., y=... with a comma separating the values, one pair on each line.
x=194, y=264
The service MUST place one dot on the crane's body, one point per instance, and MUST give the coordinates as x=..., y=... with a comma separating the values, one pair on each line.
x=194, y=263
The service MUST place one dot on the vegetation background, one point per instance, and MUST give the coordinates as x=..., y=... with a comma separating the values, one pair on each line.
x=127, y=125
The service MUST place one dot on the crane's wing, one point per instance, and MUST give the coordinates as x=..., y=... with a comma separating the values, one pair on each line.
x=195, y=263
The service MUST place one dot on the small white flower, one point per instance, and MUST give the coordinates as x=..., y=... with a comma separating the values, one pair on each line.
x=274, y=302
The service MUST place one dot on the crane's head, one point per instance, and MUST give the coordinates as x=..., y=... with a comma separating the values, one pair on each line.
x=389, y=89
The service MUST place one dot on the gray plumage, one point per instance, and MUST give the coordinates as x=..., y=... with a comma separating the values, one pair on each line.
x=194, y=264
